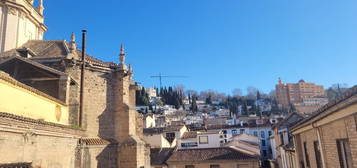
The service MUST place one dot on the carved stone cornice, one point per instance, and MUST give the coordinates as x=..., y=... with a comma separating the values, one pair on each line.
x=12, y=10
x=22, y=15
x=29, y=12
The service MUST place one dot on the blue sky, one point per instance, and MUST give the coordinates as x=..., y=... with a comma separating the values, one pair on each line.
x=219, y=44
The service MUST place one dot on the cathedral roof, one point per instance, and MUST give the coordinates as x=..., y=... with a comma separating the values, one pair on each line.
x=49, y=49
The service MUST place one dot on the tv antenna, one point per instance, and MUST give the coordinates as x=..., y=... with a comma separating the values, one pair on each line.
x=160, y=76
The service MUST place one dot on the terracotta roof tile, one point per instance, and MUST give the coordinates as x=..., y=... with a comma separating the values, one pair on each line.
x=190, y=134
x=159, y=130
x=158, y=156
x=173, y=128
x=153, y=130
x=30, y=120
x=16, y=165
x=94, y=141
x=53, y=49
x=210, y=154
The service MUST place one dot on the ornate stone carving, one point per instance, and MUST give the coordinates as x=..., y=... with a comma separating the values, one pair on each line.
x=12, y=11
x=58, y=113
x=30, y=1
x=27, y=136
x=22, y=15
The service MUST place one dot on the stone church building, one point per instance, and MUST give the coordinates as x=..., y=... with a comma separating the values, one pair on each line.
x=56, y=113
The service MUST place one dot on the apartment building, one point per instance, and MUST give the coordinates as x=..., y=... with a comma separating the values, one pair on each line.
x=305, y=96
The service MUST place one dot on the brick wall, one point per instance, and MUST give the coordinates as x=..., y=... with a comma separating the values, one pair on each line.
x=99, y=156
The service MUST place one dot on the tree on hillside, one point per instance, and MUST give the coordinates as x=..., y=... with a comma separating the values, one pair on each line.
x=142, y=98
x=336, y=90
x=245, y=108
x=258, y=95
x=209, y=100
x=237, y=92
x=194, y=107
x=251, y=92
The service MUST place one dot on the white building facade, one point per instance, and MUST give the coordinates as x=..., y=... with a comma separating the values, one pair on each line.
x=20, y=21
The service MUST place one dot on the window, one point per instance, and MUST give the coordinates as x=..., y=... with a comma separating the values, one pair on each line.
x=203, y=139
x=317, y=154
x=170, y=136
x=265, y=153
x=241, y=131
x=270, y=150
x=307, y=161
x=344, y=153
x=262, y=134
x=255, y=133
x=263, y=142
x=234, y=132
x=242, y=165
x=214, y=166
x=189, y=166
x=189, y=144
x=281, y=138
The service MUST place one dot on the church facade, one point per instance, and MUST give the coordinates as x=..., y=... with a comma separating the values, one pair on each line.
x=88, y=117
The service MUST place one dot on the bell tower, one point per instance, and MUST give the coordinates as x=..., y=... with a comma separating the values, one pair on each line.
x=20, y=21
x=132, y=150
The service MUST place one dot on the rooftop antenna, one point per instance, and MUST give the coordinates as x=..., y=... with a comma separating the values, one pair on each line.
x=160, y=76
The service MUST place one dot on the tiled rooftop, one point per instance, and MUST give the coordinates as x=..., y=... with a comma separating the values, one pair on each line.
x=160, y=155
x=210, y=154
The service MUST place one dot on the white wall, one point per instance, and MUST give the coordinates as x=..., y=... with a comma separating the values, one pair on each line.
x=158, y=141
x=265, y=136
x=213, y=141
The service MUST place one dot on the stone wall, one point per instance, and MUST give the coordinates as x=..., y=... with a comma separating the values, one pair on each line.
x=97, y=117
x=109, y=113
x=99, y=156
x=44, y=146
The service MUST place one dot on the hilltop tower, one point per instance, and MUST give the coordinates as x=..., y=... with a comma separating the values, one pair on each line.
x=20, y=21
